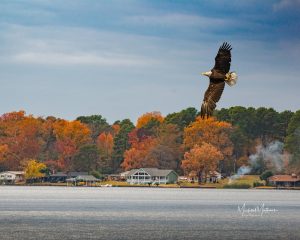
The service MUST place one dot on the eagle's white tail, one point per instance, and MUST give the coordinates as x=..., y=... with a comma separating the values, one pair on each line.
x=231, y=78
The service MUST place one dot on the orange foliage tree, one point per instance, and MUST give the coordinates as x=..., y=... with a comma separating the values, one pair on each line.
x=137, y=155
x=201, y=159
x=116, y=129
x=216, y=133
x=147, y=117
x=20, y=138
x=167, y=151
x=70, y=136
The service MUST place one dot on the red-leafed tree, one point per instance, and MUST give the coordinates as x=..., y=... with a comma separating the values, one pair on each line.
x=70, y=136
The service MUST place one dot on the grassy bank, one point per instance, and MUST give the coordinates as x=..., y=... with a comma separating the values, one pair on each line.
x=246, y=181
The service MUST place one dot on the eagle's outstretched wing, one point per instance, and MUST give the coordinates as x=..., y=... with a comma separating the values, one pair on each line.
x=223, y=58
x=211, y=97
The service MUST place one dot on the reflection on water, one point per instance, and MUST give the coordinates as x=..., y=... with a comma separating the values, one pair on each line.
x=145, y=213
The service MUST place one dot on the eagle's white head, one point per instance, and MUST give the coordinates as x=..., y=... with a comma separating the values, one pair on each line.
x=231, y=78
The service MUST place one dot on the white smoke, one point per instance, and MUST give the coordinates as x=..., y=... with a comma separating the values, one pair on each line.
x=241, y=171
x=271, y=156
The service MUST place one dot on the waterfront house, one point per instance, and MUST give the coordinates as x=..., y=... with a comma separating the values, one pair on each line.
x=62, y=176
x=56, y=177
x=285, y=180
x=76, y=174
x=210, y=177
x=87, y=179
x=124, y=175
x=151, y=176
x=12, y=177
x=114, y=177
x=118, y=177
x=213, y=177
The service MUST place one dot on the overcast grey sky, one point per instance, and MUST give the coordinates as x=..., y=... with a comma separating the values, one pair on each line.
x=124, y=58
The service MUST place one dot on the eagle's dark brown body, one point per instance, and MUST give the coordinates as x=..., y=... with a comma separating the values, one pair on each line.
x=217, y=78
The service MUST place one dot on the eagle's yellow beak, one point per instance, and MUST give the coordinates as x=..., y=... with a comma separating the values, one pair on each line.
x=207, y=74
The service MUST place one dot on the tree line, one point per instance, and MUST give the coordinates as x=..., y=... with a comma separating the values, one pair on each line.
x=181, y=141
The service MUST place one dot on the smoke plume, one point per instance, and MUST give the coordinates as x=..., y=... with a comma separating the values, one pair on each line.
x=241, y=171
x=270, y=157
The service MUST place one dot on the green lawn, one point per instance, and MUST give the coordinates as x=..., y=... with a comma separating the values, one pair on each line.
x=246, y=179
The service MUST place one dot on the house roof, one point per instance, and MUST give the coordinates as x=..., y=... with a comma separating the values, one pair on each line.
x=71, y=179
x=114, y=175
x=59, y=174
x=86, y=178
x=155, y=172
x=214, y=173
x=132, y=171
x=14, y=172
x=124, y=174
x=75, y=174
x=284, y=178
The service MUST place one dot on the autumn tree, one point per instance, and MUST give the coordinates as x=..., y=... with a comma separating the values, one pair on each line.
x=96, y=123
x=201, y=159
x=115, y=129
x=105, y=143
x=167, y=151
x=156, y=141
x=151, y=117
x=137, y=155
x=20, y=138
x=3, y=152
x=216, y=133
x=33, y=169
x=70, y=136
x=48, y=153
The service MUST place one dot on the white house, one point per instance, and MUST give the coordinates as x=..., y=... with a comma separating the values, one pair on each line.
x=124, y=175
x=214, y=176
x=151, y=176
x=12, y=176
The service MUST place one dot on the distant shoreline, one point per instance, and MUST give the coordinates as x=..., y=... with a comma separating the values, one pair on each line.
x=143, y=186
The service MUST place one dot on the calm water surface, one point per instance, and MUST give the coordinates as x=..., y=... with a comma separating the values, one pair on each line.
x=146, y=213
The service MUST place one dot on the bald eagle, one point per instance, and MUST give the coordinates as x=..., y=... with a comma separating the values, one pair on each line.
x=218, y=76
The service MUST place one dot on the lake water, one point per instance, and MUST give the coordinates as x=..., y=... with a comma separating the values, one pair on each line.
x=146, y=213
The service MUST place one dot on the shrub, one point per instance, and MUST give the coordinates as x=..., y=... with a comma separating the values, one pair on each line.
x=257, y=184
x=266, y=174
x=96, y=174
